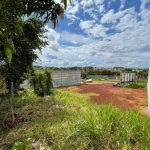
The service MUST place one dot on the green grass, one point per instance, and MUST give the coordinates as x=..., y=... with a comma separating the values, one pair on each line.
x=69, y=121
x=135, y=86
x=105, y=80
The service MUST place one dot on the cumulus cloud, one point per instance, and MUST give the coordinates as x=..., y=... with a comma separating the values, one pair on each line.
x=86, y=3
x=122, y=4
x=68, y=37
x=145, y=11
x=101, y=8
x=101, y=36
x=98, y=2
x=53, y=37
x=93, y=29
x=72, y=10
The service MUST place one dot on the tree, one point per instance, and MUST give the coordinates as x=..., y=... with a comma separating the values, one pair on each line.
x=128, y=69
x=11, y=22
x=144, y=73
x=17, y=70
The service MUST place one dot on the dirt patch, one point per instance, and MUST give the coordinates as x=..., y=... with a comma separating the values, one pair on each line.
x=121, y=97
x=13, y=120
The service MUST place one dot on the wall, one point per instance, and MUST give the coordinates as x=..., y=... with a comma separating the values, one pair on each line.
x=61, y=78
x=66, y=77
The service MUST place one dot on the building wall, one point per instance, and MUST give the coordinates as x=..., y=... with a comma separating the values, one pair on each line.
x=66, y=77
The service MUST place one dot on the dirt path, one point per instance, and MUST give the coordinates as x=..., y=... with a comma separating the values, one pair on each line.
x=124, y=97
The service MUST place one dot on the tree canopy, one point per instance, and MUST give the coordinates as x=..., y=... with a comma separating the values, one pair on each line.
x=33, y=38
x=12, y=11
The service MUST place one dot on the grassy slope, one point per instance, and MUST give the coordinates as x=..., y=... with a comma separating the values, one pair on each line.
x=69, y=121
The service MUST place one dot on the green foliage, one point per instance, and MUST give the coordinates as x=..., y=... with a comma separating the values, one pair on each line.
x=144, y=73
x=83, y=75
x=9, y=48
x=135, y=86
x=25, y=145
x=18, y=69
x=90, y=71
x=12, y=12
x=3, y=89
x=128, y=69
x=42, y=83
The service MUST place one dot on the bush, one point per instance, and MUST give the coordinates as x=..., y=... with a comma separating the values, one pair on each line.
x=42, y=83
x=3, y=89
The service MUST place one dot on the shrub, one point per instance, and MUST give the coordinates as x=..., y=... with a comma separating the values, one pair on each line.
x=42, y=83
x=3, y=89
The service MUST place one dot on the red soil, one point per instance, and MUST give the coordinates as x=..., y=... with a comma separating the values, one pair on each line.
x=120, y=97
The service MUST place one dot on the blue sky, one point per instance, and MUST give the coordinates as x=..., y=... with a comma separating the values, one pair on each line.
x=100, y=33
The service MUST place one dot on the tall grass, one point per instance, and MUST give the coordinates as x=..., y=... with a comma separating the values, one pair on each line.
x=69, y=121
x=107, y=127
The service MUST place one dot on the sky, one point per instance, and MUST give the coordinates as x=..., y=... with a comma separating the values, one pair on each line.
x=100, y=33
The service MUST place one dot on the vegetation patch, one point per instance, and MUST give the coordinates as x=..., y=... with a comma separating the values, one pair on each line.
x=72, y=88
x=135, y=86
x=68, y=120
x=144, y=104
x=122, y=98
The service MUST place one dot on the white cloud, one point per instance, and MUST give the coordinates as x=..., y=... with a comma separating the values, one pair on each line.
x=75, y=38
x=98, y=31
x=91, y=13
x=127, y=21
x=145, y=13
x=122, y=4
x=101, y=8
x=101, y=45
x=81, y=57
x=86, y=3
x=53, y=37
x=111, y=16
x=72, y=10
x=95, y=30
x=74, y=42
x=98, y=2
x=86, y=24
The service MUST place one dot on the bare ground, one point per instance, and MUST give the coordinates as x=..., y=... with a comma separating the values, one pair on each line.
x=120, y=97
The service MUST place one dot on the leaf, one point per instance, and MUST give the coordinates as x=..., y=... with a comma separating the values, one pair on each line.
x=18, y=29
x=9, y=49
x=8, y=52
x=65, y=3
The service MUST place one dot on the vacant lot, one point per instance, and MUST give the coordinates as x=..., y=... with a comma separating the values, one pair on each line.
x=120, y=97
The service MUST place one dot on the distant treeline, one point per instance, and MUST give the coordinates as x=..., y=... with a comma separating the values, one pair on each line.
x=95, y=71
